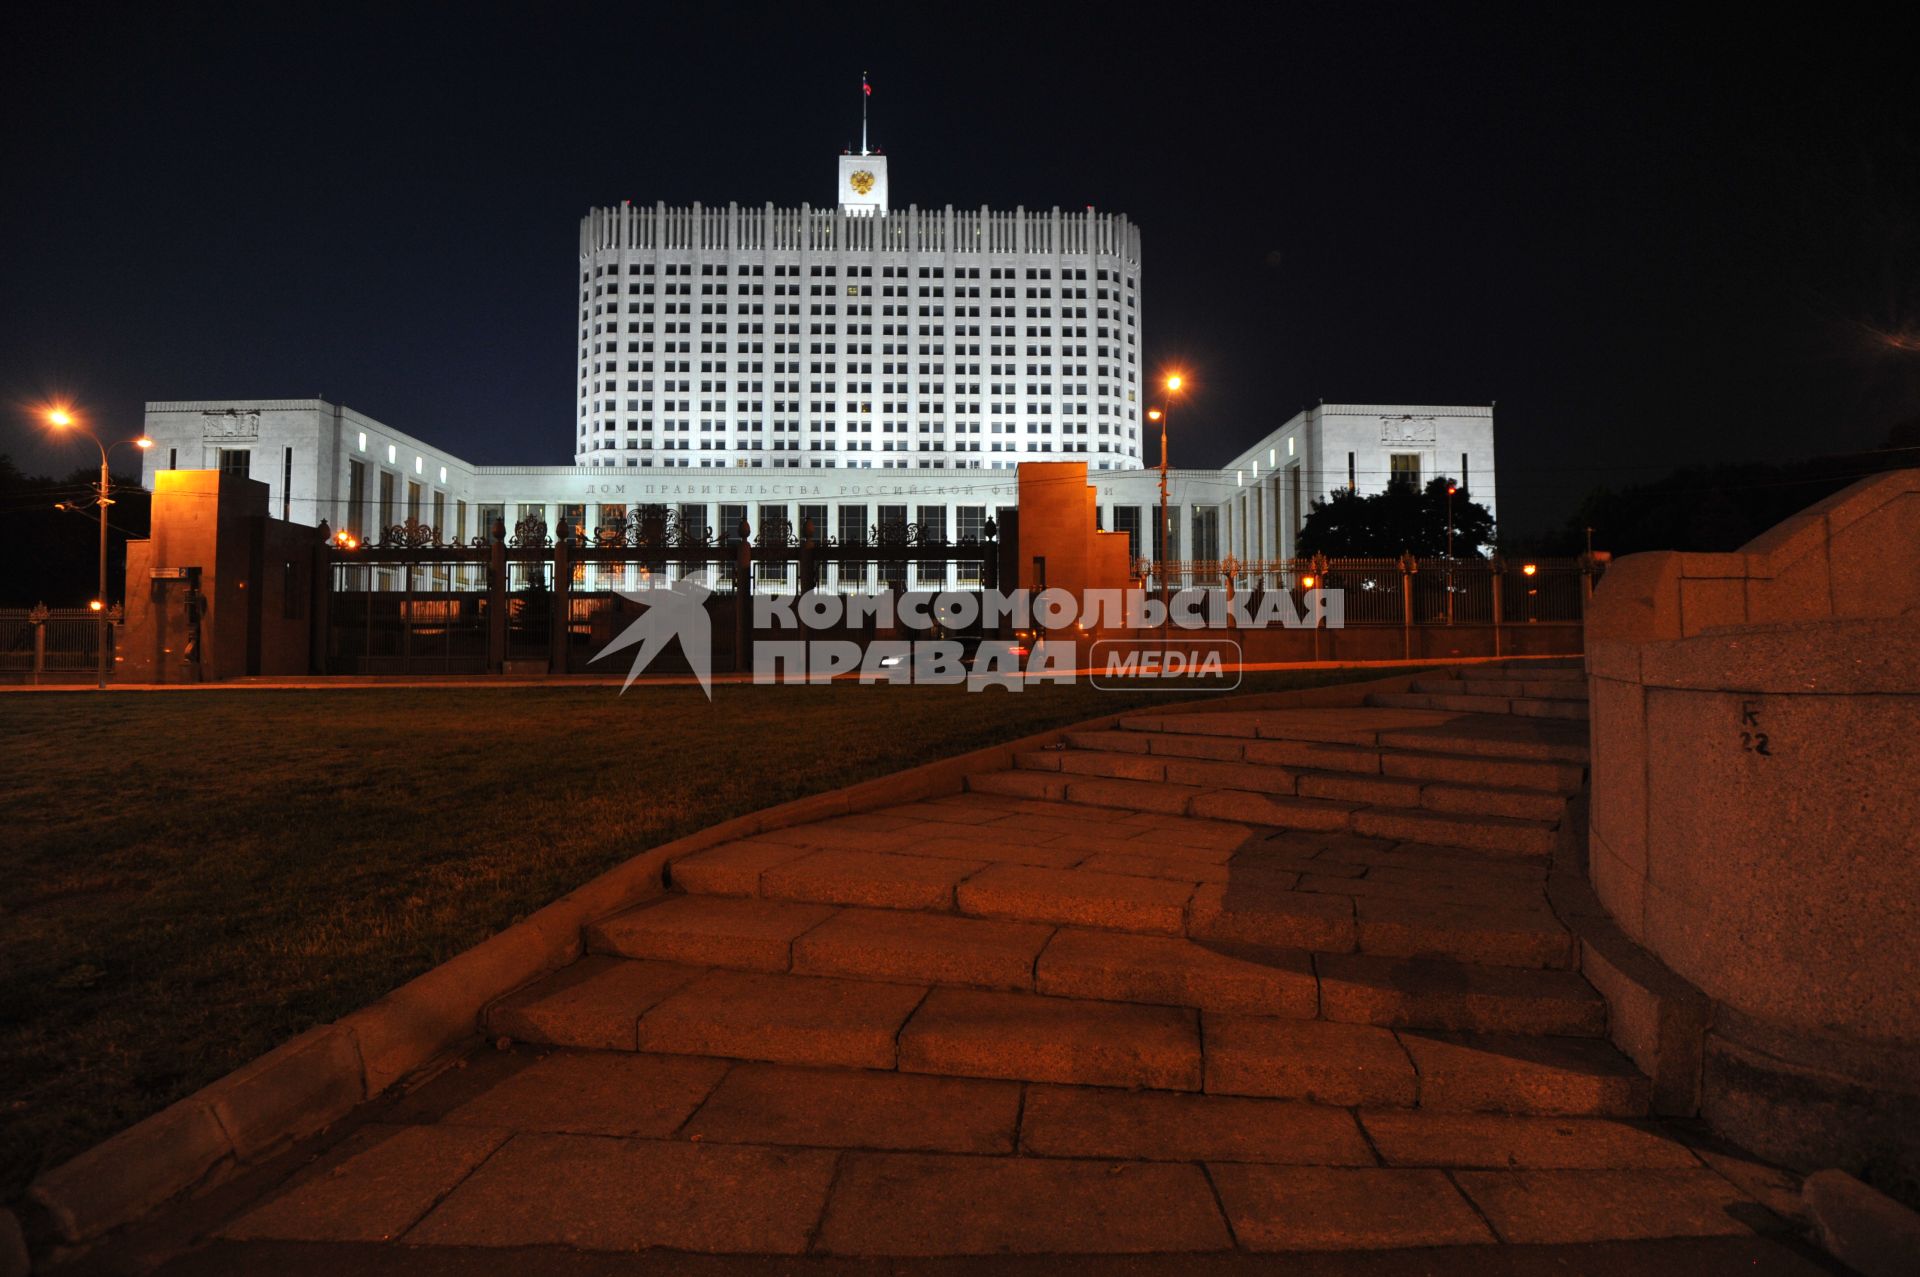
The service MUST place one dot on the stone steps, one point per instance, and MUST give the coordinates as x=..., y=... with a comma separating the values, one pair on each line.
x=671, y=1009
x=1415, y=968
x=1364, y=760
x=1496, y=835
x=1346, y=786
x=1522, y=706
x=1474, y=684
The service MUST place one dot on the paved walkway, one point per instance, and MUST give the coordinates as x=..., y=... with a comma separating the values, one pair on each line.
x=1198, y=988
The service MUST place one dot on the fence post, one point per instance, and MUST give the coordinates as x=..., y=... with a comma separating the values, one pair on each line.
x=809, y=579
x=38, y=617
x=1408, y=566
x=557, y=626
x=497, y=597
x=743, y=599
x=1499, y=576
x=320, y=599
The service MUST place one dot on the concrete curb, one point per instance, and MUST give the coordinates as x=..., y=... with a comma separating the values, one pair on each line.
x=1862, y=1228
x=305, y=1085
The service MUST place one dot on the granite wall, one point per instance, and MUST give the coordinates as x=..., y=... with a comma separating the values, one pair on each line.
x=1755, y=825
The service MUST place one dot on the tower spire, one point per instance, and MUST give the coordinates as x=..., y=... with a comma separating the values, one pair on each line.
x=866, y=91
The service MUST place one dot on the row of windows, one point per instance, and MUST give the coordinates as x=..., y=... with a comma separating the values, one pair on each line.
x=822, y=271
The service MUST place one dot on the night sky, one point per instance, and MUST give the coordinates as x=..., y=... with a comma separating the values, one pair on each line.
x=1650, y=243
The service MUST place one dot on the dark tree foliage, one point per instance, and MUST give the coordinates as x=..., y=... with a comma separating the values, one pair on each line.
x=1384, y=524
x=54, y=554
x=1718, y=508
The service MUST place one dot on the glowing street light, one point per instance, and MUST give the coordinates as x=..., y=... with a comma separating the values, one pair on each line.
x=60, y=418
x=1173, y=383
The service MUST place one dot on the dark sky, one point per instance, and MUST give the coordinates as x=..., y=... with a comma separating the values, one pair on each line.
x=1651, y=239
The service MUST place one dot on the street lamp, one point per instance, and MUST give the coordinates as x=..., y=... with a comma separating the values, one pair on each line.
x=1173, y=383
x=1451, y=489
x=61, y=419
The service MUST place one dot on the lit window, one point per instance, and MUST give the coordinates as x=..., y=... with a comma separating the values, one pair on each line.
x=363, y=441
x=419, y=465
x=393, y=454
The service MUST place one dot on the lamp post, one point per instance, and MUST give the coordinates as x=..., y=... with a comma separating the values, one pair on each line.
x=1451, y=489
x=1173, y=383
x=61, y=419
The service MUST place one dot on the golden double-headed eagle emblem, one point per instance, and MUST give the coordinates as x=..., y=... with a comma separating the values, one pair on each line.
x=861, y=181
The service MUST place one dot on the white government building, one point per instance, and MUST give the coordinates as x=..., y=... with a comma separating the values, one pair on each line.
x=851, y=365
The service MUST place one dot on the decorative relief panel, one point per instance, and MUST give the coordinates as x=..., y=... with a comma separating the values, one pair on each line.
x=1407, y=430
x=231, y=423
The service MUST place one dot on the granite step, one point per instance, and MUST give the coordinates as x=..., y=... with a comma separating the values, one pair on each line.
x=1361, y=760
x=1246, y=945
x=1385, y=791
x=822, y=1022
x=1522, y=706
x=1474, y=685
x=1498, y=834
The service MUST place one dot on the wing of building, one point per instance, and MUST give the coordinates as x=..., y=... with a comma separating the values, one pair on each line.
x=852, y=364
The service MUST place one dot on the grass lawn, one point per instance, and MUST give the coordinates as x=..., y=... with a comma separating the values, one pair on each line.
x=192, y=878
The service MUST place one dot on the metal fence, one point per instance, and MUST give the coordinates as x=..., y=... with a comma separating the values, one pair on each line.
x=44, y=640
x=407, y=602
x=1407, y=590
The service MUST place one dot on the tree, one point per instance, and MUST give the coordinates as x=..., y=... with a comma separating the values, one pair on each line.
x=56, y=552
x=1383, y=524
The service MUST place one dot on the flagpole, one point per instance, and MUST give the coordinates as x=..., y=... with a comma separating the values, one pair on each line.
x=865, y=93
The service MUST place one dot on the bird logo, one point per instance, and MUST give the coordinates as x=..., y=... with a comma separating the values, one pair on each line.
x=861, y=181
x=679, y=613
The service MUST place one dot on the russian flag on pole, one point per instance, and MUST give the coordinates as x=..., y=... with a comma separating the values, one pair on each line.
x=865, y=87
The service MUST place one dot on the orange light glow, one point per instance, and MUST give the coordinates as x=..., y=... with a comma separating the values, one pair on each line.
x=1153, y=414
x=58, y=417
x=1175, y=381
x=1451, y=489
x=1308, y=581
x=1529, y=569
x=97, y=606
x=143, y=442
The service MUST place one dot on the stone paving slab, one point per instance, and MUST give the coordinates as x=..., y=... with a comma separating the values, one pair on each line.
x=609, y=1194
x=595, y=1093
x=1261, y=909
x=1430, y=994
x=373, y=1186
x=1166, y=1126
x=1172, y=868
x=990, y=845
x=711, y=931
x=971, y=1033
x=734, y=868
x=886, y=944
x=596, y=1002
x=1274, y=1208
x=1316, y=1060
x=909, y=1204
x=858, y=1108
x=783, y=1018
x=1077, y=897
x=1121, y=967
x=1531, y=1207
x=1510, y=1073
x=1500, y=835
x=1498, y=1141
x=872, y=879
x=1395, y=927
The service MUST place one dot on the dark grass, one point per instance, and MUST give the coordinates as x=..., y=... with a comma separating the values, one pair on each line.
x=192, y=878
